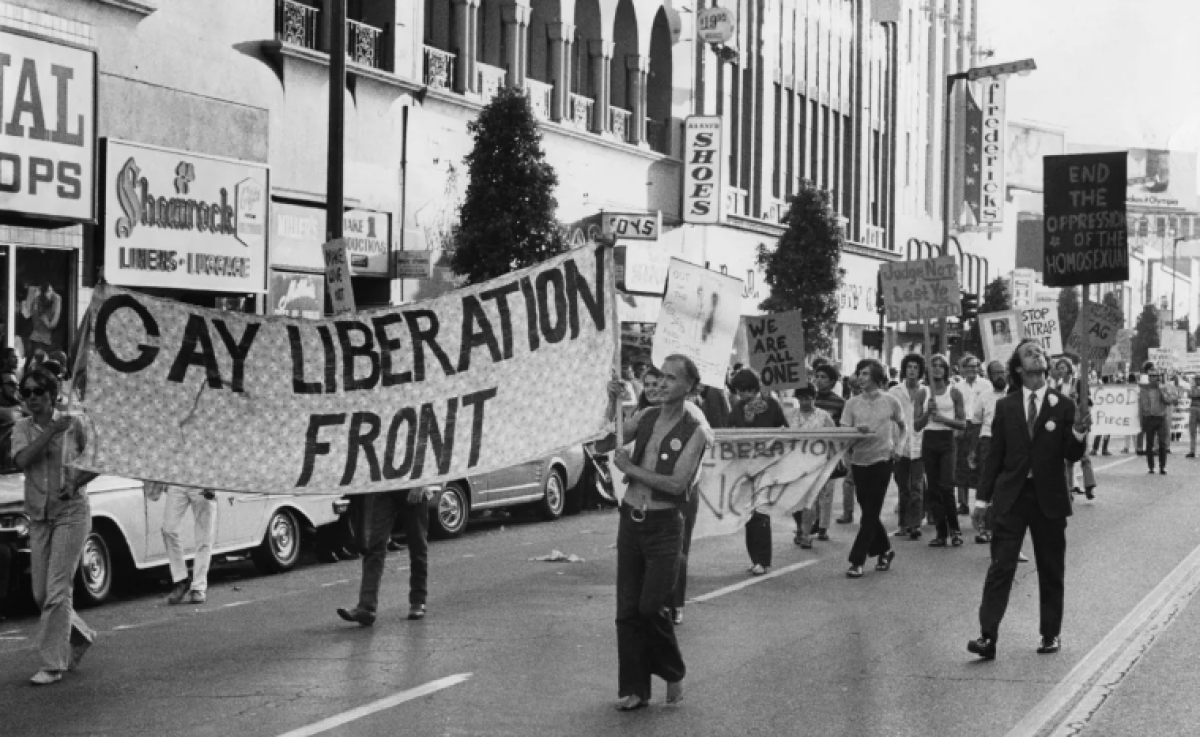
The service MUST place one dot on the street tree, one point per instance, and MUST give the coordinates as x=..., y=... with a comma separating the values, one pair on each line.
x=802, y=270
x=995, y=296
x=1068, y=310
x=1146, y=335
x=506, y=221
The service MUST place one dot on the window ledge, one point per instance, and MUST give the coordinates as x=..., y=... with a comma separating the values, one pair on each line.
x=142, y=7
x=277, y=48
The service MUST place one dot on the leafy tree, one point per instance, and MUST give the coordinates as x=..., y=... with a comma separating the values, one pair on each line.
x=506, y=221
x=995, y=296
x=1146, y=335
x=802, y=270
x=1068, y=310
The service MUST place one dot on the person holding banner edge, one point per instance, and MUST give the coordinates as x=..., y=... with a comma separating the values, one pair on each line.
x=876, y=413
x=669, y=442
x=1035, y=433
x=755, y=408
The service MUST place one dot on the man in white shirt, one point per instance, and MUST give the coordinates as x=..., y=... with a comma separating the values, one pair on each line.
x=908, y=468
x=971, y=387
x=985, y=413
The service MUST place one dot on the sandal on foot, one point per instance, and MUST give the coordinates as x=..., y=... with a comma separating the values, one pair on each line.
x=631, y=702
x=956, y=540
x=854, y=572
x=937, y=542
x=885, y=561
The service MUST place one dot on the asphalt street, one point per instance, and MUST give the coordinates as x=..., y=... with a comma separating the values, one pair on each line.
x=514, y=646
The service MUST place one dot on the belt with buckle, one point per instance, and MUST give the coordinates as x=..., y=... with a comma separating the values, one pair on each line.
x=641, y=515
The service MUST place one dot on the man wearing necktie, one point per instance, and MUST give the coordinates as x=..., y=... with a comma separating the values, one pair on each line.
x=1035, y=434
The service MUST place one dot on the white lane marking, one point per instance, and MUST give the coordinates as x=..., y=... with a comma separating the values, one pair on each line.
x=1114, y=464
x=1068, y=707
x=376, y=706
x=11, y=632
x=335, y=583
x=11, y=637
x=750, y=582
x=232, y=604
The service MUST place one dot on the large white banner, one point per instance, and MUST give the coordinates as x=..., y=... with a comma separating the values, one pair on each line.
x=479, y=379
x=699, y=318
x=776, y=472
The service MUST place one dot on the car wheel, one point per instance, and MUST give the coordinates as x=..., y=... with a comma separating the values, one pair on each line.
x=448, y=515
x=280, y=547
x=94, y=579
x=554, y=496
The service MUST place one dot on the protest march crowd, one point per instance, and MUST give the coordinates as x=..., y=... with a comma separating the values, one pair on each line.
x=999, y=444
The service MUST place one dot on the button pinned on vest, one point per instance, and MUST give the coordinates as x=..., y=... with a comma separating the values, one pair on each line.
x=665, y=456
x=675, y=444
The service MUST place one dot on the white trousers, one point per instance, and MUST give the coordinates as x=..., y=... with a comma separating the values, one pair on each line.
x=204, y=514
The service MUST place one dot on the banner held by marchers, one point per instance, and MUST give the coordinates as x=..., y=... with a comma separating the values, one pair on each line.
x=476, y=380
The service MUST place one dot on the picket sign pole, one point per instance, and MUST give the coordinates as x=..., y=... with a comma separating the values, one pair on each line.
x=618, y=411
x=1084, y=397
x=927, y=348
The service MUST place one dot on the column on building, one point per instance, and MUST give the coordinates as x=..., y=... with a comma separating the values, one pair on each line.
x=637, y=69
x=515, y=16
x=601, y=52
x=561, y=40
x=466, y=40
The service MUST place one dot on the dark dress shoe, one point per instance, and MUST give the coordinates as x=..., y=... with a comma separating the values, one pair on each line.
x=326, y=555
x=364, y=618
x=416, y=611
x=394, y=547
x=1089, y=493
x=1049, y=646
x=349, y=553
x=984, y=647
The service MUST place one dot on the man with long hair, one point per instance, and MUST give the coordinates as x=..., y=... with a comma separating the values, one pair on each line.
x=908, y=467
x=1035, y=433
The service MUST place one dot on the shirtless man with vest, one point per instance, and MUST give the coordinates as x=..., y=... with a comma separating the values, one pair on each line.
x=669, y=442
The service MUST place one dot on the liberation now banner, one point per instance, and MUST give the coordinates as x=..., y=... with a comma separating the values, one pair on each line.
x=773, y=471
x=1085, y=239
x=477, y=380
x=921, y=290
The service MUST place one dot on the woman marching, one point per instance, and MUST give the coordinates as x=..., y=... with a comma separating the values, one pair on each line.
x=945, y=415
x=59, y=521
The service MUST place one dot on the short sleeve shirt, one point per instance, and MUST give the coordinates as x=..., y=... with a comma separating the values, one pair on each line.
x=44, y=475
x=880, y=414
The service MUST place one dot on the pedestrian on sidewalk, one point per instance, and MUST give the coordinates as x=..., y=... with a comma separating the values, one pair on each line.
x=945, y=416
x=877, y=413
x=1155, y=402
x=1035, y=434
x=815, y=518
x=203, y=504
x=44, y=445
x=970, y=387
x=908, y=466
x=985, y=415
x=755, y=408
x=375, y=518
x=669, y=442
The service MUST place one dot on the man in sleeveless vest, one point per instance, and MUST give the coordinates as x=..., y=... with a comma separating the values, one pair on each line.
x=669, y=442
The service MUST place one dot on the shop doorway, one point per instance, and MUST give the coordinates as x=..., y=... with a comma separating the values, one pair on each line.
x=37, y=307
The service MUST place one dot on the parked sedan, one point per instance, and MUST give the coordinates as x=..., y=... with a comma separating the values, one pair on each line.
x=126, y=534
x=548, y=485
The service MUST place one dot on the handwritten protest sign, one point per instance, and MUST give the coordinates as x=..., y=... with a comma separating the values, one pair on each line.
x=1085, y=236
x=1095, y=331
x=1182, y=411
x=1115, y=409
x=1041, y=324
x=777, y=349
x=1173, y=339
x=496, y=374
x=1163, y=358
x=1188, y=363
x=1001, y=331
x=699, y=318
x=919, y=290
x=337, y=276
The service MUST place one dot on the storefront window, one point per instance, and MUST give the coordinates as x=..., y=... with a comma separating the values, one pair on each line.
x=38, y=303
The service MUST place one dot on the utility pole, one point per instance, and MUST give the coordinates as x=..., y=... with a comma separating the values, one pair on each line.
x=335, y=169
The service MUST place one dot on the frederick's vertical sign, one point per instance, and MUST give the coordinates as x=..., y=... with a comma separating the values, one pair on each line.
x=1084, y=231
x=702, y=180
x=47, y=128
x=991, y=176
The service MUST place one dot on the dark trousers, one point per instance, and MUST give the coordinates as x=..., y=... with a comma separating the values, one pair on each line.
x=758, y=539
x=910, y=480
x=685, y=546
x=937, y=450
x=378, y=515
x=870, y=485
x=1049, y=552
x=1157, y=428
x=7, y=556
x=1100, y=443
x=647, y=565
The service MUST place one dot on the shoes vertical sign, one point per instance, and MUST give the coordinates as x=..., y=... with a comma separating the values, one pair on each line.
x=1085, y=239
x=337, y=276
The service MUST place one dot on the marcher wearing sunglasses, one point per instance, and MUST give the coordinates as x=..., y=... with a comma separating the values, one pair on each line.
x=44, y=446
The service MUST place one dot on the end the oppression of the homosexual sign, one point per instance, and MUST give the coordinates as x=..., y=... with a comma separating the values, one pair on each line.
x=1085, y=237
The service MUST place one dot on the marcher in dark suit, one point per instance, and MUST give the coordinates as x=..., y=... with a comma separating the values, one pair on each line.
x=1035, y=434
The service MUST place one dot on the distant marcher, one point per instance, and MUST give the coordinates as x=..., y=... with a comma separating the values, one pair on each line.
x=813, y=520
x=945, y=415
x=877, y=413
x=985, y=414
x=203, y=504
x=909, y=468
x=965, y=477
x=1193, y=415
x=825, y=377
x=1155, y=403
x=755, y=408
x=44, y=445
